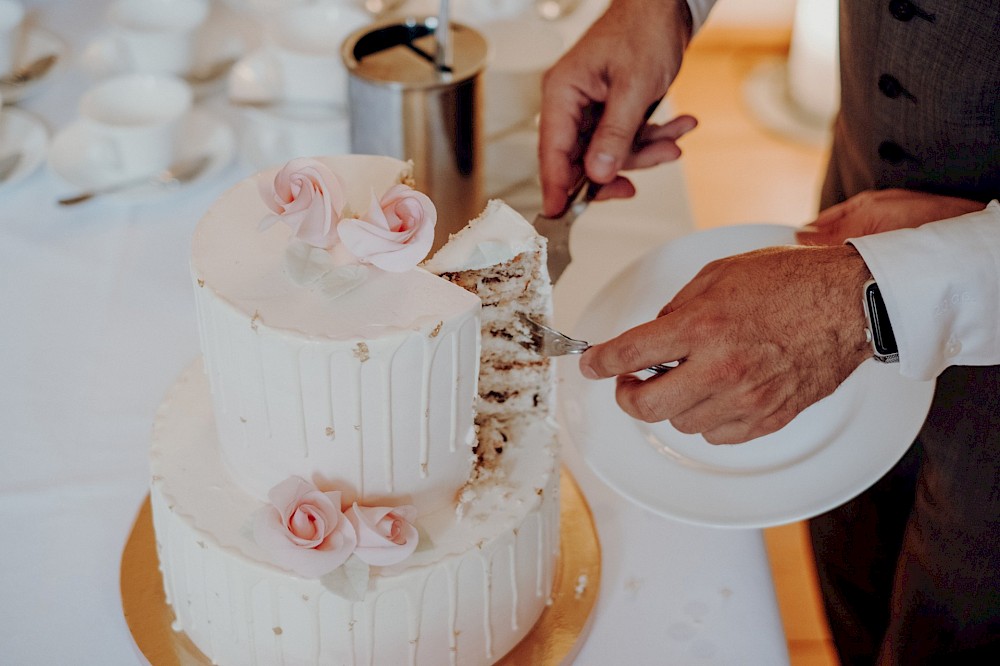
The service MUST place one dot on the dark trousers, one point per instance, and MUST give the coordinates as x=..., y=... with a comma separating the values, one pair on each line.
x=910, y=569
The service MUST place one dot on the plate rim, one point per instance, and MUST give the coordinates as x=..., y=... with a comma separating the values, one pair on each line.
x=582, y=402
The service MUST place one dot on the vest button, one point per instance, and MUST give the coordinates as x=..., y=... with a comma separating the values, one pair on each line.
x=890, y=86
x=901, y=9
x=892, y=152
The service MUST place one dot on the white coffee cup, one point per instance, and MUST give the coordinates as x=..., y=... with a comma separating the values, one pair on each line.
x=276, y=135
x=304, y=42
x=156, y=36
x=11, y=20
x=520, y=52
x=133, y=122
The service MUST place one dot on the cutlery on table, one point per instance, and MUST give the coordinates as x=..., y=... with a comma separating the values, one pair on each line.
x=8, y=164
x=176, y=174
x=35, y=69
x=547, y=341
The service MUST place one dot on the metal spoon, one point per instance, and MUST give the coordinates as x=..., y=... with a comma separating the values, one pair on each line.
x=176, y=174
x=35, y=69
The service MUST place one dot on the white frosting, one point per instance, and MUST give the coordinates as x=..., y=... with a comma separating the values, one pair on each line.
x=467, y=599
x=498, y=235
x=370, y=390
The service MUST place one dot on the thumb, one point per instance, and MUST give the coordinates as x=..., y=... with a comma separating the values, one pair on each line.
x=624, y=115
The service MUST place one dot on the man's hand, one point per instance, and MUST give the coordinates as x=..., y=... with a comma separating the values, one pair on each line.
x=625, y=62
x=762, y=336
x=876, y=211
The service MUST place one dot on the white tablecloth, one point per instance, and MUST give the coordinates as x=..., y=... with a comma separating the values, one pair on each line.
x=98, y=320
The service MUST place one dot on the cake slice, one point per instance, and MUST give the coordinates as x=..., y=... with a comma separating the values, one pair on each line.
x=501, y=258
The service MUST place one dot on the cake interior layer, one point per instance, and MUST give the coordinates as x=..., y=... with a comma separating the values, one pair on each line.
x=468, y=595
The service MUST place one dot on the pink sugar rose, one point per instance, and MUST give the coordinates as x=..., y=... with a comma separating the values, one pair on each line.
x=308, y=197
x=386, y=535
x=304, y=529
x=396, y=233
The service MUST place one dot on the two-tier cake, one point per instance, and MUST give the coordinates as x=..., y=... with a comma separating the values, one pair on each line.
x=337, y=480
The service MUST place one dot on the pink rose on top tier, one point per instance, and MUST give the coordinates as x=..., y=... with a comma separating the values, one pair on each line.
x=308, y=197
x=396, y=233
x=304, y=529
x=386, y=535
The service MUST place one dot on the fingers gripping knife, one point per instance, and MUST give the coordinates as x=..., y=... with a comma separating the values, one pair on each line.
x=556, y=229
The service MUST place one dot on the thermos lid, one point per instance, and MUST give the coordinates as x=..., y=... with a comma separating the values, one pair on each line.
x=401, y=54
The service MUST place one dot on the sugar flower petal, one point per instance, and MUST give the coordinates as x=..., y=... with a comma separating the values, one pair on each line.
x=386, y=535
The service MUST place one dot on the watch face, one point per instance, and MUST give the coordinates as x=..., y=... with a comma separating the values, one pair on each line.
x=882, y=336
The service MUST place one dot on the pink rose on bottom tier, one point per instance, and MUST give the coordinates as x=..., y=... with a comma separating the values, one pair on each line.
x=386, y=535
x=303, y=529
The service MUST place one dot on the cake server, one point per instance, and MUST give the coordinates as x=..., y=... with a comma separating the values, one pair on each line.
x=556, y=229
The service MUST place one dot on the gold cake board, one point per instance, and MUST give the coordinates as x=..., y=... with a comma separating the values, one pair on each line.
x=555, y=638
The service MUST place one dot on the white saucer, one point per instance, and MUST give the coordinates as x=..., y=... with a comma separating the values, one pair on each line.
x=202, y=133
x=831, y=452
x=225, y=35
x=765, y=91
x=21, y=132
x=38, y=43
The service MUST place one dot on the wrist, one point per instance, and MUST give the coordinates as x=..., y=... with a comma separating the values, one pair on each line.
x=847, y=279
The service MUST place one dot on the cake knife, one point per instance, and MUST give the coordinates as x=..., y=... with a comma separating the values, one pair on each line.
x=556, y=229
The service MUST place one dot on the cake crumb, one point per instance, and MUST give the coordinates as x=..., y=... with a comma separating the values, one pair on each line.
x=361, y=352
x=330, y=432
x=581, y=586
x=243, y=419
x=277, y=631
x=254, y=320
x=437, y=329
x=201, y=282
x=633, y=584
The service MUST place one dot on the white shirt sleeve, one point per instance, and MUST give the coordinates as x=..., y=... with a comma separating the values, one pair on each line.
x=941, y=285
x=699, y=12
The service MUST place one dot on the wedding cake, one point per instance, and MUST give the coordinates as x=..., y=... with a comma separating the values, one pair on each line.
x=336, y=481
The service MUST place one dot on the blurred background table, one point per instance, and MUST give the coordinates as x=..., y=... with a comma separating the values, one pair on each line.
x=98, y=320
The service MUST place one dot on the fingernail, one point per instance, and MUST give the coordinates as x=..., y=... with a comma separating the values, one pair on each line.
x=603, y=166
x=586, y=370
x=809, y=229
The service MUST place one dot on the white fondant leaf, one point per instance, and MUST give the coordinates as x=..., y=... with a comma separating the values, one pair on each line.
x=313, y=266
x=348, y=581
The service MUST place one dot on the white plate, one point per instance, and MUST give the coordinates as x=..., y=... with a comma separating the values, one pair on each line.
x=21, y=132
x=202, y=133
x=38, y=43
x=828, y=454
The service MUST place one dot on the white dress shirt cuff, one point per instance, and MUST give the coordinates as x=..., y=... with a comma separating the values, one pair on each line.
x=941, y=285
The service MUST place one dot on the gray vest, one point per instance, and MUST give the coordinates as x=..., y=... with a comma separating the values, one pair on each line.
x=920, y=90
